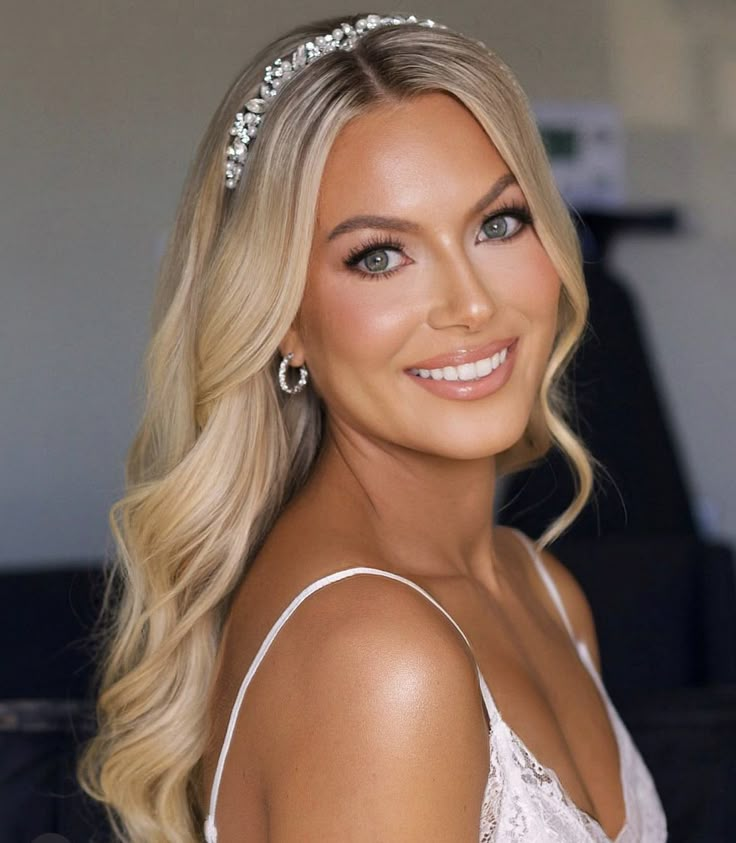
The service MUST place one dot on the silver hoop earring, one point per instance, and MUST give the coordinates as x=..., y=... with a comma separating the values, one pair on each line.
x=303, y=376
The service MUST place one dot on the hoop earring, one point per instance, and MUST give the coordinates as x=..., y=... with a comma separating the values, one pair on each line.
x=303, y=376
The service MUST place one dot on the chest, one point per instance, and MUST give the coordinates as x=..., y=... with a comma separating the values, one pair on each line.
x=552, y=712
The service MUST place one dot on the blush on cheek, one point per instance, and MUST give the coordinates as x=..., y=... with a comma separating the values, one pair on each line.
x=538, y=286
x=363, y=324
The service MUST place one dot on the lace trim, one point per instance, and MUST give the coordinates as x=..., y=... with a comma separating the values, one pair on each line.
x=525, y=802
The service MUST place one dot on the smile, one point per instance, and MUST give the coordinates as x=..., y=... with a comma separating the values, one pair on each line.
x=465, y=372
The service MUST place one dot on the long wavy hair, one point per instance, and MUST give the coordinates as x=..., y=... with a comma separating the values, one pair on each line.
x=219, y=452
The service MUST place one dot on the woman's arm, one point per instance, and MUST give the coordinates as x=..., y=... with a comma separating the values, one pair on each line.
x=386, y=739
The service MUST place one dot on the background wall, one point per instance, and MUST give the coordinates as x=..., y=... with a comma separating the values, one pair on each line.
x=103, y=105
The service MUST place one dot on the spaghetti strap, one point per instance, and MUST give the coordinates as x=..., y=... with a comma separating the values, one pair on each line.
x=548, y=581
x=580, y=645
x=210, y=830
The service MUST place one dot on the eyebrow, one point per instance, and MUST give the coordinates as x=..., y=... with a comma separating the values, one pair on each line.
x=399, y=224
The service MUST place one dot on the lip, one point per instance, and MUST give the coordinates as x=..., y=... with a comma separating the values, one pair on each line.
x=457, y=358
x=474, y=389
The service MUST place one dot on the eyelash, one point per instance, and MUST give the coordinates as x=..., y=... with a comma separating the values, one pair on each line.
x=378, y=242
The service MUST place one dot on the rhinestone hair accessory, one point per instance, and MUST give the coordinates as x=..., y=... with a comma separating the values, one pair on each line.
x=247, y=120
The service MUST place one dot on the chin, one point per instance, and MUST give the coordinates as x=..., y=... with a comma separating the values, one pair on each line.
x=482, y=451
x=470, y=445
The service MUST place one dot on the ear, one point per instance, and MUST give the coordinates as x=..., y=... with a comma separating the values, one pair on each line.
x=292, y=341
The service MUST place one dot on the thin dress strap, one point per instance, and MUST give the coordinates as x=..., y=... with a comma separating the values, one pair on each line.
x=210, y=830
x=548, y=581
x=580, y=645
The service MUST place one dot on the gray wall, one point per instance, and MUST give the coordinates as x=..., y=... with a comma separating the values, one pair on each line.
x=103, y=104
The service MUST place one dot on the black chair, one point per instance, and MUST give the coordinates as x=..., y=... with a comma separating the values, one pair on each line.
x=39, y=740
x=46, y=618
x=687, y=736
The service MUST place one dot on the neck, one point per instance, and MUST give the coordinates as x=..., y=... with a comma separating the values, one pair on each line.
x=428, y=514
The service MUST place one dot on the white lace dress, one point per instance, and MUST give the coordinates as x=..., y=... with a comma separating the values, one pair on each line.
x=524, y=801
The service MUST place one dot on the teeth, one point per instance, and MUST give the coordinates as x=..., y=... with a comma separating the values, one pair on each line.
x=465, y=372
x=484, y=367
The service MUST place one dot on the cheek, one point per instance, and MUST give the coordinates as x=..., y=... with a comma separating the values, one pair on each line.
x=535, y=288
x=357, y=321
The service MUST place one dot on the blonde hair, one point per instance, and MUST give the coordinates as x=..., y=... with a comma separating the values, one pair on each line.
x=219, y=450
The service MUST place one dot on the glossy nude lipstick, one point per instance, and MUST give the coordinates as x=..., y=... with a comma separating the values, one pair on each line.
x=467, y=375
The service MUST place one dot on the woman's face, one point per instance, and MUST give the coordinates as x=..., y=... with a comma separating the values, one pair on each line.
x=454, y=281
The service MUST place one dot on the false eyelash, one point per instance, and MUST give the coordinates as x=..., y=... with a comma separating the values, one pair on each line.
x=513, y=209
x=372, y=244
x=376, y=242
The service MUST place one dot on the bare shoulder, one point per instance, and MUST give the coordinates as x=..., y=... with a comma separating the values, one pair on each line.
x=383, y=735
x=576, y=603
x=573, y=597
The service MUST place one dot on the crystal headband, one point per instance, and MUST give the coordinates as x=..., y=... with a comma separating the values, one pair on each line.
x=247, y=120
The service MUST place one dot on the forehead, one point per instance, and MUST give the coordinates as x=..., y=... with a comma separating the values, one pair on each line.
x=397, y=156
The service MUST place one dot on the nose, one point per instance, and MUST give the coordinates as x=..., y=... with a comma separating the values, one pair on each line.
x=461, y=296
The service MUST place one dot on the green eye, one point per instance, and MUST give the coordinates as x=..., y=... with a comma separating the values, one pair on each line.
x=506, y=223
x=377, y=260
x=497, y=227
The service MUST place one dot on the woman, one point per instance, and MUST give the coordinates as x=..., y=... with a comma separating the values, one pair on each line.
x=332, y=397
